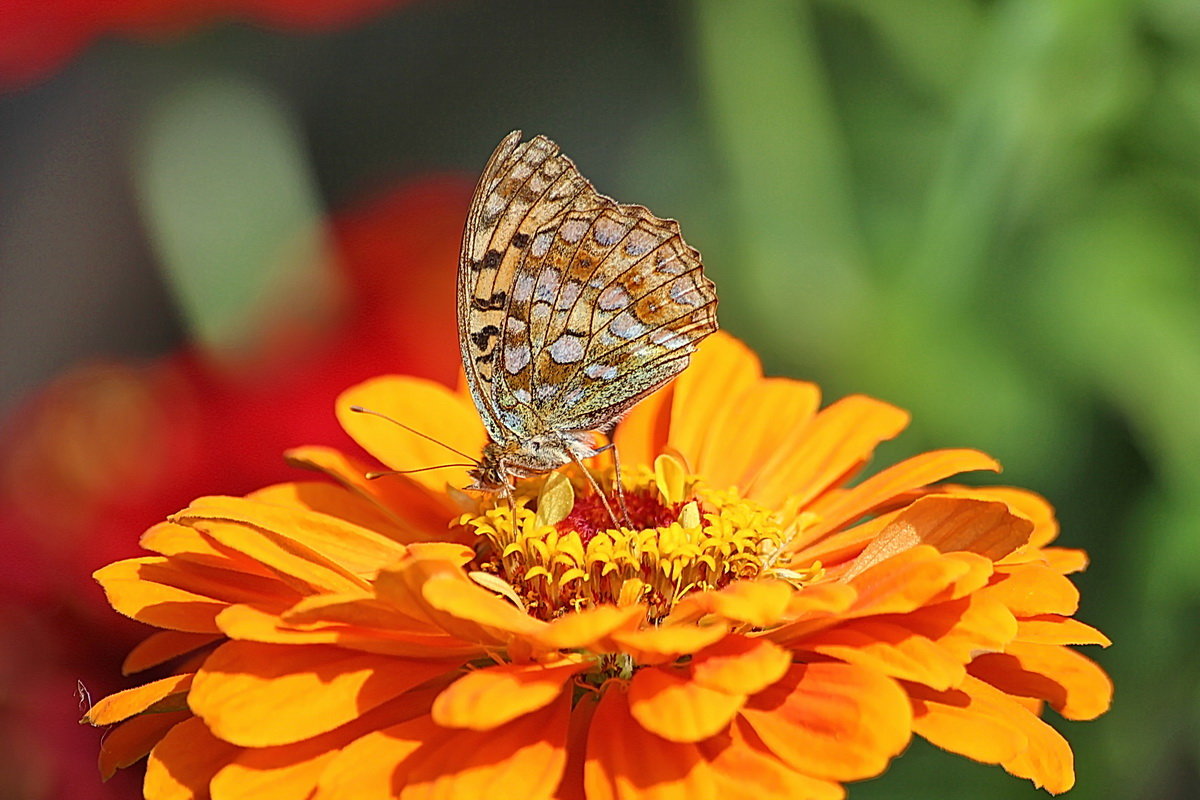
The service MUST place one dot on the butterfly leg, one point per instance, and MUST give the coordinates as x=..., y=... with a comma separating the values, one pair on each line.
x=512, y=504
x=587, y=473
x=620, y=487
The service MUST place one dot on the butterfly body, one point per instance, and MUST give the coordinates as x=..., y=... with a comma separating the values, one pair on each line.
x=571, y=309
x=523, y=458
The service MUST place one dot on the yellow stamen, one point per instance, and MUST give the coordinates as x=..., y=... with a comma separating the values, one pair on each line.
x=715, y=538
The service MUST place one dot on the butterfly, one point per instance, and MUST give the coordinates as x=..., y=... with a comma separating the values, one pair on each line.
x=571, y=309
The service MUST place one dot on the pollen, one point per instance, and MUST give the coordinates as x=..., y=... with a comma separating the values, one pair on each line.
x=680, y=538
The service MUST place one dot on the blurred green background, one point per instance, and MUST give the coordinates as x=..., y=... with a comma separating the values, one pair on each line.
x=985, y=211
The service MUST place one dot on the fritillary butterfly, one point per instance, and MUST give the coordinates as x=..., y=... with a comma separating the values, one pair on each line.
x=571, y=309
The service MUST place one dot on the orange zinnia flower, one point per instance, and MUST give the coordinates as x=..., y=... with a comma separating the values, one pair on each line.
x=760, y=630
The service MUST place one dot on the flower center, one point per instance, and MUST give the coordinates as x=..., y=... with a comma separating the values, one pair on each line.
x=567, y=554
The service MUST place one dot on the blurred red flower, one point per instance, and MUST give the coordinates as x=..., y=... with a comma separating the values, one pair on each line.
x=39, y=36
x=107, y=449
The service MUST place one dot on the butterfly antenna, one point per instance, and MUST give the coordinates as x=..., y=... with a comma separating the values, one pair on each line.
x=373, y=475
x=427, y=437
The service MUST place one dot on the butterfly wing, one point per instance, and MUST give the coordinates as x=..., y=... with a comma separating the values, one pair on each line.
x=606, y=304
x=524, y=186
x=572, y=307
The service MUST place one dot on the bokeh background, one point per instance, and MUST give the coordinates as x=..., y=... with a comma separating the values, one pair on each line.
x=215, y=214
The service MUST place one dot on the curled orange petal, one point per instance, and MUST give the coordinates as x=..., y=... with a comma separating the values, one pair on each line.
x=123, y=705
x=1072, y=683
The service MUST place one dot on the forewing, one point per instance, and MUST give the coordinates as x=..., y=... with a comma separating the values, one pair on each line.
x=524, y=187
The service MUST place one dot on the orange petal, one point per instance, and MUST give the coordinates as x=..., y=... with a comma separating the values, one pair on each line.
x=182, y=764
x=280, y=773
x=745, y=769
x=965, y=724
x=642, y=434
x=1033, y=589
x=760, y=603
x=740, y=665
x=1048, y=760
x=626, y=762
x=1056, y=629
x=470, y=603
x=666, y=701
x=256, y=625
x=378, y=627
x=1065, y=561
x=492, y=696
x=965, y=627
x=1072, y=683
x=836, y=443
x=430, y=585
x=133, y=739
x=821, y=599
x=571, y=785
x=1023, y=502
x=259, y=695
x=837, y=509
x=907, y=581
x=668, y=642
x=184, y=543
x=419, y=760
x=585, y=629
x=420, y=512
x=160, y=647
x=322, y=552
x=832, y=721
x=722, y=368
x=950, y=525
x=425, y=406
x=137, y=700
x=813, y=608
x=334, y=501
x=131, y=589
x=737, y=445
x=291, y=772
x=890, y=647
x=835, y=550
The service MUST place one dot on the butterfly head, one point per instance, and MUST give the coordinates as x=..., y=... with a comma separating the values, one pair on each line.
x=501, y=462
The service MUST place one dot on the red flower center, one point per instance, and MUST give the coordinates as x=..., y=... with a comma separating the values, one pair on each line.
x=646, y=511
